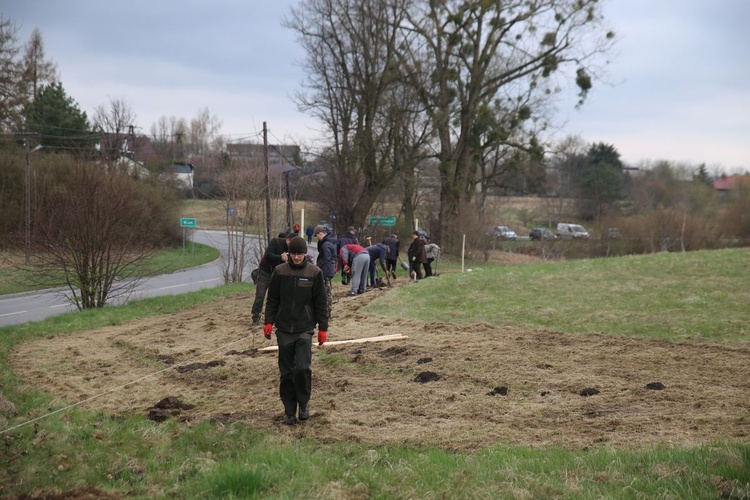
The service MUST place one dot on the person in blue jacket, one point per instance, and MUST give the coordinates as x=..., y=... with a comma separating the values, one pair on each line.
x=379, y=253
x=327, y=260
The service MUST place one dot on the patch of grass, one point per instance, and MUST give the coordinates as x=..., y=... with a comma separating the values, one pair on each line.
x=136, y=457
x=13, y=279
x=694, y=296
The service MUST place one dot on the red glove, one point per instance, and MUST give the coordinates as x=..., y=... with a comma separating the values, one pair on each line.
x=267, y=330
x=322, y=337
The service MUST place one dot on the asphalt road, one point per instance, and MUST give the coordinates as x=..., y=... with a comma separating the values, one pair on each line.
x=35, y=306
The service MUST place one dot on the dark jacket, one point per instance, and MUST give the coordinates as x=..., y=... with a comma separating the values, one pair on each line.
x=416, y=249
x=297, y=298
x=347, y=239
x=272, y=256
x=327, y=248
x=393, y=244
x=378, y=252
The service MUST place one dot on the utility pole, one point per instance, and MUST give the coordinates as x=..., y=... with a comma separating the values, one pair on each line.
x=289, y=210
x=268, y=184
x=27, y=196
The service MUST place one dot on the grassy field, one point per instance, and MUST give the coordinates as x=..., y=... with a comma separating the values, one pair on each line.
x=698, y=297
x=694, y=296
x=13, y=279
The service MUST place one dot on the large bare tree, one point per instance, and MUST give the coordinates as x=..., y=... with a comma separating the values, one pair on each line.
x=352, y=69
x=477, y=53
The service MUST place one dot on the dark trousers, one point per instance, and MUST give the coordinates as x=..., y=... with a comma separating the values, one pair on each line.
x=295, y=359
x=428, y=268
x=261, y=286
x=390, y=265
x=415, y=267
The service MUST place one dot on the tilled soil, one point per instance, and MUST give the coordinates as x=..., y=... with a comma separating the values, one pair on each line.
x=452, y=386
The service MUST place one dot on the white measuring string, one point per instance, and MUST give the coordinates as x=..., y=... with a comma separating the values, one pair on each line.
x=119, y=387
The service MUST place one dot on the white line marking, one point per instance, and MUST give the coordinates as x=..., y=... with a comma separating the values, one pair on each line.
x=13, y=314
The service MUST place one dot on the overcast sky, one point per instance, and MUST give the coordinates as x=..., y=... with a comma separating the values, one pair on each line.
x=678, y=86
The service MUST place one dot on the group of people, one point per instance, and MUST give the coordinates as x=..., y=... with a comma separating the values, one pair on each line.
x=298, y=296
x=422, y=253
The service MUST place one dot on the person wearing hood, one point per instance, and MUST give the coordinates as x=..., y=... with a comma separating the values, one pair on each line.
x=295, y=305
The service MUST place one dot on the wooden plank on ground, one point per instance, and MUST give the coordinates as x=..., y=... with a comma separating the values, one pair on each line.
x=381, y=338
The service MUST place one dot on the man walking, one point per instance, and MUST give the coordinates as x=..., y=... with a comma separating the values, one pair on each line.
x=275, y=254
x=296, y=303
x=327, y=261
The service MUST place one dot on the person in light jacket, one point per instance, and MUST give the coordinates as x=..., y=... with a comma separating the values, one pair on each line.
x=432, y=252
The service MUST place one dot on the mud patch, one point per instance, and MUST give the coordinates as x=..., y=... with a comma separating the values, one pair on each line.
x=425, y=377
x=498, y=391
x=200, y=366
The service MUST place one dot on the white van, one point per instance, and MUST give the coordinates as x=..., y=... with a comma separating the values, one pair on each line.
x=567, y=230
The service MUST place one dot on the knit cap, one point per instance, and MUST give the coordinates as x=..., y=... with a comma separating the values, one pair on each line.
x=298, y=245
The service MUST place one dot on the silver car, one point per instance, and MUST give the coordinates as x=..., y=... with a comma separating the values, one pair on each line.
x=503, y=232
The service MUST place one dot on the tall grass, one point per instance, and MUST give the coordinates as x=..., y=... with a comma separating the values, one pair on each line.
x=138, y=458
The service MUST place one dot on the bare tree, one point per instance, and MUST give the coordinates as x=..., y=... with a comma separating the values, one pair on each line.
x=244, y=216
x=36, y=70
x=352, y=48
x=114, y=121
x=204, y=132
x=96, y=227
x=475, y=50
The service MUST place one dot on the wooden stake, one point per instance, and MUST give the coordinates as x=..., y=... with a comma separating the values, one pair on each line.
x=381, y=338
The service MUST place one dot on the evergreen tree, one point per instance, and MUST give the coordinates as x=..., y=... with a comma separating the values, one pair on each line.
x=701, y=175
x=58, y=121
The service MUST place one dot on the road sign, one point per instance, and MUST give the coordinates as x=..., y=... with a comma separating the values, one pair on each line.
x=188, y=222
x=382, y=221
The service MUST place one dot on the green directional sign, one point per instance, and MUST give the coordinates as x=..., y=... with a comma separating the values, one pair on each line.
x=188, y=222
x=382, y=221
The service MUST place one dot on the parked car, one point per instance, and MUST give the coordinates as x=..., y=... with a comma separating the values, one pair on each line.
x=568, y=230
x=541, y=233
x=503, y=232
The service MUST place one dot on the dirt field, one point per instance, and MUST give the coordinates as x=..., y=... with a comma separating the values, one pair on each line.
x=457, y=387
